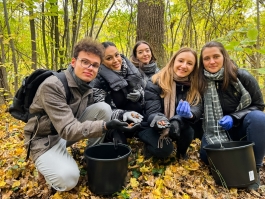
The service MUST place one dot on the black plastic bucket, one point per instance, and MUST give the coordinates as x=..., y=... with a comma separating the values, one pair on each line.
x=233, y=165
x=106, y=167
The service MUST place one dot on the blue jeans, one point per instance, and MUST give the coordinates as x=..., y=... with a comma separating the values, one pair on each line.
x=251, y=129
x=150, y=137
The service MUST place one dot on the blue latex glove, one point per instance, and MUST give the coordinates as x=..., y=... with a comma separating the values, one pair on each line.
x=226, y=122
x=183, y=109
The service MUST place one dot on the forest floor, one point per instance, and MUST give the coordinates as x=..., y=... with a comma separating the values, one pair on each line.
x=148, y=179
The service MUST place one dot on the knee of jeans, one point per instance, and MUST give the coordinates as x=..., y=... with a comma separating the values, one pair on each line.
x=256, y=116
x=65, y=180
x=105, y=109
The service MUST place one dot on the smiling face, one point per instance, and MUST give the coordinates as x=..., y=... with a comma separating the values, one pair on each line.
x=184, y=64
x=213, y=59
x=112, y=58
x=143, y=53
x=86, y=74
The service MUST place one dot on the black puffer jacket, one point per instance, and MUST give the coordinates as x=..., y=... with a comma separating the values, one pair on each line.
x=113, y=88
x=230, y=98
x=155, y=104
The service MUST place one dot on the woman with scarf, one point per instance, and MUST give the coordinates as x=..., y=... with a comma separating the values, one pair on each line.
x=119, y=83
x=173, y=106
x=144, y=59
x=233, y=103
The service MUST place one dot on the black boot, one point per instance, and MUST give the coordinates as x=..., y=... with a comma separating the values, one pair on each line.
x=256, y=184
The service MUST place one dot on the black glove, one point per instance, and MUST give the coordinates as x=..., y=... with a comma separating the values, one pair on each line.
x=133, y=128
x=116, y=124
x=174, y=132
x=158, y=120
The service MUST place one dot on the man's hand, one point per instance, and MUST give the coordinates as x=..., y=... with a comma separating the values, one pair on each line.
x=116, y=124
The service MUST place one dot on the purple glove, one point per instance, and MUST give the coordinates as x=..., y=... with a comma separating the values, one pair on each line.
x=226, y=122
x=183, y=109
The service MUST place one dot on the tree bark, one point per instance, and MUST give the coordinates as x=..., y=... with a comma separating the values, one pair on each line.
x=43, y=33
x=5, y=94
x=11, y=42
x=150, y=26
x=33, y=38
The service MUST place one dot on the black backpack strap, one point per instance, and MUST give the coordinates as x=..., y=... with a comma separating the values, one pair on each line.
x=61, y=76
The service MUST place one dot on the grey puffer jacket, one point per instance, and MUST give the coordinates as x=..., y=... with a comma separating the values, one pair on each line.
x=155, y=104
x=51, y=98
x=230, y=98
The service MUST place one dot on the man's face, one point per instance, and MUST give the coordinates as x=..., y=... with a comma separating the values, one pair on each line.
x=86, y=66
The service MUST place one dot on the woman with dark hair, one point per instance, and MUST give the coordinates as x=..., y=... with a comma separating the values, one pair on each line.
x=144, y=59
x=172, y=105
x=119, y=83
x=233, y=103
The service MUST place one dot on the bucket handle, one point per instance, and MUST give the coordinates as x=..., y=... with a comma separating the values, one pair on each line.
x=218, y=173
x=115, y=141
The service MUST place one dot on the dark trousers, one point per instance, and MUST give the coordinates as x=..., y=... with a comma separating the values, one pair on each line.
x=150, y=137
x=184, y=140
x=251, y=129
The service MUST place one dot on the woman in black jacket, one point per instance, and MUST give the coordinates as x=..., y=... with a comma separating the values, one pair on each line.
x=144, y=59
x=119, y=83
x=172, y=105
x=233, y=103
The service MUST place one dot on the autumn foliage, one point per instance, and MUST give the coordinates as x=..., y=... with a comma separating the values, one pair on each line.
x=150, y=179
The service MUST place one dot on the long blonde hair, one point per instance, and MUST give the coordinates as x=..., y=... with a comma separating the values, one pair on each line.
x=164, y=78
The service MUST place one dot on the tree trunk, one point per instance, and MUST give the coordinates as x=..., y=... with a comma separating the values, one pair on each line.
x=65, y=40
x=150, y=26
x=56, y=38
x=103, y=19
x=43, y=32
x=258, y=37
x=74, y=23
x=33, y=39
x=12, y=46
x=5, y=90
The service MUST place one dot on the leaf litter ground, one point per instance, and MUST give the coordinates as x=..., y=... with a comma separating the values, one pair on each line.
x=148, y=179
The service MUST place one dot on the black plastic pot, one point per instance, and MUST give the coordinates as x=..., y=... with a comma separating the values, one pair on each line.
x=233, y=165
x=106, y=167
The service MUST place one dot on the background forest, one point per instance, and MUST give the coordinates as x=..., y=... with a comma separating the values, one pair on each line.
x=41, y=33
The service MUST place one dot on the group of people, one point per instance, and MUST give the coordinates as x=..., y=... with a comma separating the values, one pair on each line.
x=114, y=98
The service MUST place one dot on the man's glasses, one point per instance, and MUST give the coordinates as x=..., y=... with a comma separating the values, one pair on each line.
x=85, y=63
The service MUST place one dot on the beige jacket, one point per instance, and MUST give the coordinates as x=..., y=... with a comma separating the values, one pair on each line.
x=51, y=98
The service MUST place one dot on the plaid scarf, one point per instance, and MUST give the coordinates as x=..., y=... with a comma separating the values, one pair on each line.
x=213, y=112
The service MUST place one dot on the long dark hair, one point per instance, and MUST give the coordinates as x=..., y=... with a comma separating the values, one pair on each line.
x=230, y=69
x=133, y=57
